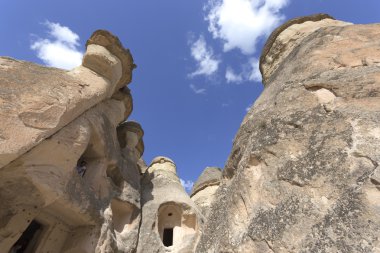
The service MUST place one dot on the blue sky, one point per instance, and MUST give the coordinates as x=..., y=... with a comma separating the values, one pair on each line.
x=197, y=60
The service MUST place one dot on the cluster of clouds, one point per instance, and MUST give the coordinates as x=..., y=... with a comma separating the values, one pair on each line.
x=60, y=48
x=239, y=25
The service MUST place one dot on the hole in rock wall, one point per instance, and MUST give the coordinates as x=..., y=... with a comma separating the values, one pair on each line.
x=27, y=243
x=168, y=237
x=81, y=167
x=88, y=162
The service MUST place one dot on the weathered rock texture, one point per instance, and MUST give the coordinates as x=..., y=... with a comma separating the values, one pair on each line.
x=64, y=175
x=35, y=101
x=303, y=174
x=71, y=163
x=166, y=205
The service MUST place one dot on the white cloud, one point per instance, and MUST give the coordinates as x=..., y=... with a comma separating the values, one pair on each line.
x=241, y=23
x=60, y=49
x=200, y=91
x=231, y=77
x=187, y=184
x=207, y=63
x=250, y=72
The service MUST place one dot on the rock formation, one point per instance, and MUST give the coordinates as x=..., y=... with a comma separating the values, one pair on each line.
x=170, y=220
x=71, y=166
x=37, y=101
x=205, y=187
x=67, y=184
x=303, y=174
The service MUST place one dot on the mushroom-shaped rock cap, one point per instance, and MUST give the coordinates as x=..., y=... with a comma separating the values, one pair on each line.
x=209, y=176
x=112, y=43
x=161, y=159
x=129, y=126
x=124, y=95
x=161, y=163
x=133, y=126
x=272, y=38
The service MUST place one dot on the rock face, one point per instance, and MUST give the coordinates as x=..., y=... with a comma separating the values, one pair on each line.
x=67, y=182
x=170, y=220
x=303, y=172
x=35, y=101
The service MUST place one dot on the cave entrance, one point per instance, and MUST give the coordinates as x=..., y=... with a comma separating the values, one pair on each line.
x=168, y=237
x=29, y=238
x=169, y=224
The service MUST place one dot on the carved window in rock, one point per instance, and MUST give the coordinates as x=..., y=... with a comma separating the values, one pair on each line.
x=169, y=224
x=29, y=239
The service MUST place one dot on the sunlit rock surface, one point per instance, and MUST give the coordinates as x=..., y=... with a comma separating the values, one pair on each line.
x=170, y=220
x=66, y=182
x=303, y=172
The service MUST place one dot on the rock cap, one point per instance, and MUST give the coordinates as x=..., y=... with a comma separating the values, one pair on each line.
x=124, y=95
x=112, y=43
x=163, y=164
x=272, y=38
x=131, y=126
x=161, y=159
x=209, y=176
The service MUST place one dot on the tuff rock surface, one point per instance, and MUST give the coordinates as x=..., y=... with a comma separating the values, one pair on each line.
x=166, y=205
x=35, y=101
x=62, y=165
x=303, y=172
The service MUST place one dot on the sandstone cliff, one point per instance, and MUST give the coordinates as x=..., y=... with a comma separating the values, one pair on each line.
x=303, y=172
